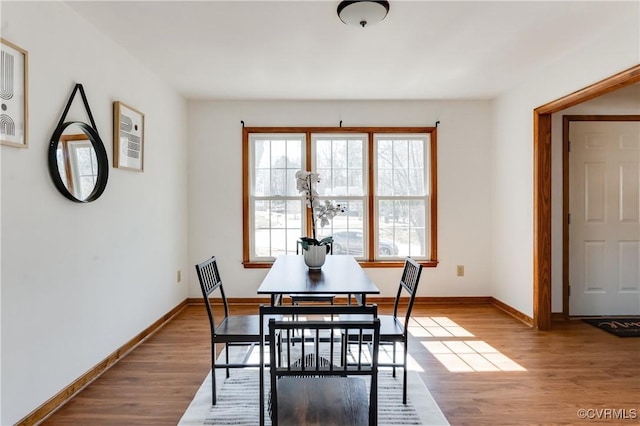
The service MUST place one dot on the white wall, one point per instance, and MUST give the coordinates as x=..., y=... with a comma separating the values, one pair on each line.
x=464, y=185
x=624, y=101
x=604, y=55
x=80, y=280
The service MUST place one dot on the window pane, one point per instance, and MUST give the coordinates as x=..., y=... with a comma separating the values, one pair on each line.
x=384, y=184
x=400, y=154
x=417, y=162
x=277, y=227
x=261, y=215
x=402, y=225
x=339, y=161
x=416, y=183
x=278, y=153
x=355, y=154
x=323, y=153
x=294, y=154
x=276, y=161
x=278, y=182
x=339, y=154
x=278, y=242
x=261, y=228
x=401, y=166
x=261, y=179
x=261, y=152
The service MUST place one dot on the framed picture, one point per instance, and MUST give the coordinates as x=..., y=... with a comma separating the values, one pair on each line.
x=13, y=95
x=128, y=137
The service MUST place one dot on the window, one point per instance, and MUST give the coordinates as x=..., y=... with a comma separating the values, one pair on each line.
x=386, y=177
x=402, y=193
x=275, y=207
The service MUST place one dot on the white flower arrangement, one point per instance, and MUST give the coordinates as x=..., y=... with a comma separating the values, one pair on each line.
x=322, y=211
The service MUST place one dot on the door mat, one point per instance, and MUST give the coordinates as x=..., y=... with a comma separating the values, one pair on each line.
x=621, y=327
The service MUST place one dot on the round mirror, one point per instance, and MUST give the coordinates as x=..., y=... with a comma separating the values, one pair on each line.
x=78, y=162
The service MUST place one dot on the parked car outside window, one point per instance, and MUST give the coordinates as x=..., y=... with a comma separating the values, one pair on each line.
x=351, y=242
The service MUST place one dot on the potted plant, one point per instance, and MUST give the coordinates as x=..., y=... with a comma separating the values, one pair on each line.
x=315, y=250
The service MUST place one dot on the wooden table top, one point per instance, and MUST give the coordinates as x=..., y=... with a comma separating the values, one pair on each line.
x=339, y=275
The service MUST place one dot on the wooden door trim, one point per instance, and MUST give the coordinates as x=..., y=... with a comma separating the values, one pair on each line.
x=542, y=185
x=566, y=123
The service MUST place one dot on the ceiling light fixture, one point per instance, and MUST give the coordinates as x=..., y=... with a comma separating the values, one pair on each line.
x=362, y=12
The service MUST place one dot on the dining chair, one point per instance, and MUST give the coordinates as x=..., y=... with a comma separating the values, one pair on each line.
x=314, y=382
x=240, y=330
x=394, y=328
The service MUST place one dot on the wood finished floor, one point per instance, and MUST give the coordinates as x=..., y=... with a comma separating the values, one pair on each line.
x=574, y=366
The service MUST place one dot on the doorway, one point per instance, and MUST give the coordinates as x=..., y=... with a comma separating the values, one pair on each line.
x=542, y=186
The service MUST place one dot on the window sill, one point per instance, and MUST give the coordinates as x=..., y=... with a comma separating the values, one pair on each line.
x=363, y=263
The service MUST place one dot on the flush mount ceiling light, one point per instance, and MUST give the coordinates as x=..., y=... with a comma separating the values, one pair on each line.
x=362, y=12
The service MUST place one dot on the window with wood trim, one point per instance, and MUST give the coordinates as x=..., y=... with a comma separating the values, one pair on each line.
x=386, y=178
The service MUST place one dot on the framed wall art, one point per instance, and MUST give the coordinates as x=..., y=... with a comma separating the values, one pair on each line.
x=128, y=137
x=13, y=95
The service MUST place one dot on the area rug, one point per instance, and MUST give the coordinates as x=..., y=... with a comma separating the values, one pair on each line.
x=621, y=327
x=238, y=401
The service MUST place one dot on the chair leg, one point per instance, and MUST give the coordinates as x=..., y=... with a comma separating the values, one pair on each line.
x=404, y=376
x=226, y=351
x=394, y=359
x=213, y=373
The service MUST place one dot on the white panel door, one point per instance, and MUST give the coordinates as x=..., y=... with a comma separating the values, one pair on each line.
x=604, y=203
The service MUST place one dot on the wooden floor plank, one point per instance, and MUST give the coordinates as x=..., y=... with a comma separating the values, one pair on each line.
x=574, y=366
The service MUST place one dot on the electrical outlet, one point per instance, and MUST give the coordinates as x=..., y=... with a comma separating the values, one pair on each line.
x=179, y=275
x=460, y=270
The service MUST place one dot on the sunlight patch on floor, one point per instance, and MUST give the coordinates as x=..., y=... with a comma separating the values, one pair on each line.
x=470, y=356
x=454, y=351
x=436, y=327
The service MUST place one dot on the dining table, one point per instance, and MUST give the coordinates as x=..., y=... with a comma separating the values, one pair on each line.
x=340, y=275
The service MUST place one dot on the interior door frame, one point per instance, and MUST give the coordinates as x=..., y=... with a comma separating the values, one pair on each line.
x=542, y=185
x=566, y=188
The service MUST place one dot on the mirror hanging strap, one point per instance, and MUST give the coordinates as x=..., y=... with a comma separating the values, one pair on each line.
x=84, y=101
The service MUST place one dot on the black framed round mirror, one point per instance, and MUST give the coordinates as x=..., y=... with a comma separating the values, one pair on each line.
x=78, y=161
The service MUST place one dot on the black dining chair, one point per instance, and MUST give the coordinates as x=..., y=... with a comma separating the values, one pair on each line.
x=231, y=329
x=315, y=382
x=394, y=328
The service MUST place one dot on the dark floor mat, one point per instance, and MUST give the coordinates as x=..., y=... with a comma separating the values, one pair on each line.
x=622, y=327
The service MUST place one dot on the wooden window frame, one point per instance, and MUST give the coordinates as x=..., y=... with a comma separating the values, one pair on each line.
x=370, y=131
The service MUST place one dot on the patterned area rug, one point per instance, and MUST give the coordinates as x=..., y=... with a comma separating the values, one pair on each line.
x=621, y=327
x=238, y=402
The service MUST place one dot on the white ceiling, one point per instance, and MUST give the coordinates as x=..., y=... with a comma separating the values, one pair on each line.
x=301, y=50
